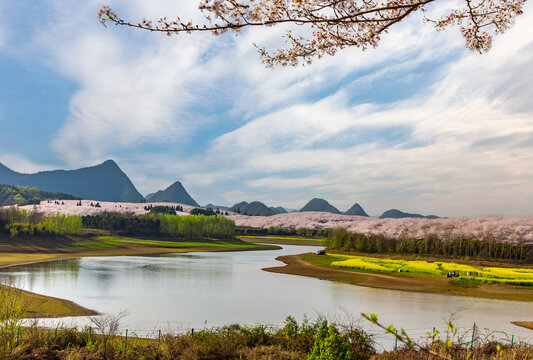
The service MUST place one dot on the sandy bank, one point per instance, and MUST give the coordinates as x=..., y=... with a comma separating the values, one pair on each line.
x=297, y=265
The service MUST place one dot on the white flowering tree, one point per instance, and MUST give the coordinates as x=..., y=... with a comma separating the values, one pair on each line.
x=333, y=24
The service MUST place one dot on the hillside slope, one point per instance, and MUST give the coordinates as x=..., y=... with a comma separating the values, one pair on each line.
x=320, y=205
x=174, y=193
x=357, y=210
x=103, y=182
x=24, y=195
x=397, y=214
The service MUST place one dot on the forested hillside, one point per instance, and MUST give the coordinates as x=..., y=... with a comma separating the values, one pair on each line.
x=25, y=195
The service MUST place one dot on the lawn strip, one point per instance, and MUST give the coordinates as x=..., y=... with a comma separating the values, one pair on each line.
x=284, y=240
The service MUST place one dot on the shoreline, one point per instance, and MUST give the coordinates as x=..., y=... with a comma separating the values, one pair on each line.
x=296, y=265
x=43, y=306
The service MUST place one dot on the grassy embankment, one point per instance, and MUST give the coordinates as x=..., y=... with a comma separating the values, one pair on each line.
x=423, y=276
x=283, y=240
x=14, y=251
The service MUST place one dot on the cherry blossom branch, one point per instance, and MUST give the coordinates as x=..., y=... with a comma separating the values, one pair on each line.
x=334, y=24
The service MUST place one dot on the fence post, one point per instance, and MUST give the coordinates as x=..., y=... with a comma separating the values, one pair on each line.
x=126, y=341
x=90, y=333
x=192, y=331
x=512, y=340
x=396, y=340
x=55, y=336
x=159, y=338
x=473, y=333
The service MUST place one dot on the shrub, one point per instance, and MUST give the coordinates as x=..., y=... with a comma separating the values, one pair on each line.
x=200, y=211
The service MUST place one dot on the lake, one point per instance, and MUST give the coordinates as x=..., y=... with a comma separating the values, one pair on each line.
x=182, y=291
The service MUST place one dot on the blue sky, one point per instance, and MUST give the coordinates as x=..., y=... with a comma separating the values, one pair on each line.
x=419, y=123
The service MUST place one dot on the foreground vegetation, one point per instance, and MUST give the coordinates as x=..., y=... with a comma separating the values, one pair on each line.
x=309, y=340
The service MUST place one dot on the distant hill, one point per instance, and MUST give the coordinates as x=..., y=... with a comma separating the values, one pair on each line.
x=320, y=205
x=279, y=210
x=357, y=210
x=174, y=193
x=220, y=207
x=24, y=195
x=397, y=214
x=256, y=208
x=103, y=182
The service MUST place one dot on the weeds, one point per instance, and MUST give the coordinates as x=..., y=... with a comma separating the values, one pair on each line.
x=319, y=339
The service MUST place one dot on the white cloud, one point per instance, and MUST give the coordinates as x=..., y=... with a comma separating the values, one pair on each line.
x=138, y=88
x=469, y=151
x=300, y=133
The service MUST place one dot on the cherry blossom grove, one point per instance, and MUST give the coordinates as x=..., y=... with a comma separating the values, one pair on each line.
x=498, y=228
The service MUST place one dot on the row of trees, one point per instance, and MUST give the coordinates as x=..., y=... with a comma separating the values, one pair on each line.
x=123, y=223
x=289, y=231
x=429, y=245
x=197, y=226
x=26, y=223
x=163, y=224
x=160, y=209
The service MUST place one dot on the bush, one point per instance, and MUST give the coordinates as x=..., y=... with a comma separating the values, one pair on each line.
x=200, y=211
x=163, y=210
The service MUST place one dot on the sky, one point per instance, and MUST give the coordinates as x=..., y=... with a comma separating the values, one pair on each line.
x=419, y=123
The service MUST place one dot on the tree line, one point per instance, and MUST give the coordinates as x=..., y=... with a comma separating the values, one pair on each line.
x=163, y=224
x=431, y=244
x=288, y=231
x=21, y=222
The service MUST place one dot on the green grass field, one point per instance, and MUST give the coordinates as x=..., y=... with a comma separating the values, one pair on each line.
x=170, y=243
x=437, y=269
x=282, y=238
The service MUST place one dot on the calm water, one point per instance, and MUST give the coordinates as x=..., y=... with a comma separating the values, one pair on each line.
x=180, y=291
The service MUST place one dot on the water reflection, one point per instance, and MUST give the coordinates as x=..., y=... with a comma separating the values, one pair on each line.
x=186, y=290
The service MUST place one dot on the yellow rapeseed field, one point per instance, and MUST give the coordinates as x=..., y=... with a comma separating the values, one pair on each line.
x=488, y=275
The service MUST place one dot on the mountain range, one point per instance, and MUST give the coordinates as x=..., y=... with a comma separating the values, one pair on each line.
x=174, y=193
x=397, y=214
x=103, y=182
x=256, y=208
x=107, y=182
x=317, y=204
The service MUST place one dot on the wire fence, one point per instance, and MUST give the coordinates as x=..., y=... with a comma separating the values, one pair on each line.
x=464, y=336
